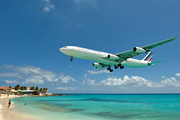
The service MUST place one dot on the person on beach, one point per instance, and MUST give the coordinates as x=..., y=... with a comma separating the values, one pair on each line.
x=18, y=100
x=25, y=104
x=9, y=103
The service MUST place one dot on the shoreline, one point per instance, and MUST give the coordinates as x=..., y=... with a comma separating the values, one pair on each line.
x=9, y=113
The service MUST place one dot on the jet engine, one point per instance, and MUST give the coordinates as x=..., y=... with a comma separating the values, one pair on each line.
x=113, y=57
x=139, y=50
x=98, y=66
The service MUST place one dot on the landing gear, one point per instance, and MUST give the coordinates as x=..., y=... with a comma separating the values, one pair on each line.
x=111, y=70
x=71, y=58
x=108, y=68
x=116, y=66
x=121, y=67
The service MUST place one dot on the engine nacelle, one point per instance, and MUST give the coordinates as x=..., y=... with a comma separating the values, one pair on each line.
x=139, y=50
x=113, y=57
x=98, y=66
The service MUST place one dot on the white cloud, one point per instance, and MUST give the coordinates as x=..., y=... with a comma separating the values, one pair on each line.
x=66, y=79
x=178, y=74
x=46, y=9
x=32, y=74
x=163, y=77
x=56, y=79
x=65, y=88
x=91, y=82
x=85, y=76
x=97, y=72
x=83, y=82
x=62, y=88
x=28, y=72
x=8, y=74
x=135, y=81
x=11, y=82
x=33, y=81
x=55, y=84
x=61, y=76
x=48, y=6
x=71, y=88
x=170, y=82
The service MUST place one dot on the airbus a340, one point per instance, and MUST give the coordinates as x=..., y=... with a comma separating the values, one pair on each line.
x=117, y=60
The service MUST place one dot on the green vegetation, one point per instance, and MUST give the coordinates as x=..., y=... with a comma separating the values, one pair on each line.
x=18, y=87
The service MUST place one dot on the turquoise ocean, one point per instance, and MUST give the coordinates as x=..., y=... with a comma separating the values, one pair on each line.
x=101, y=107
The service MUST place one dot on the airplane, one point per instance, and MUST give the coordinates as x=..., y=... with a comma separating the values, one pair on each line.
x=108, y=60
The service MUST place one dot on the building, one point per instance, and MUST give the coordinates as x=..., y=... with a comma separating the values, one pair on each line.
x=5, y=89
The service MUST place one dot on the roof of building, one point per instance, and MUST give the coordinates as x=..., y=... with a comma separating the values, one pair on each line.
x=4, y=88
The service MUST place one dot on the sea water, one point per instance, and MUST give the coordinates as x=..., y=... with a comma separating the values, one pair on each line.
x=101, y=107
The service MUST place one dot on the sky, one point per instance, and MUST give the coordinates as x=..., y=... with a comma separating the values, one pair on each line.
x=31, y=33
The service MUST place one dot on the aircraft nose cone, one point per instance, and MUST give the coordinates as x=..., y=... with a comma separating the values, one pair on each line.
x=61, y=49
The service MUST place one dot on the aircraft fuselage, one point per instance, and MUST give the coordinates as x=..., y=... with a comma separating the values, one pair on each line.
x=94, y=55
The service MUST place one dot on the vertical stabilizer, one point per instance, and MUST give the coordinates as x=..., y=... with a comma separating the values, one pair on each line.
x=148, y=57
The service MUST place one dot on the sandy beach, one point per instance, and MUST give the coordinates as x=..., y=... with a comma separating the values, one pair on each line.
x=8, y=113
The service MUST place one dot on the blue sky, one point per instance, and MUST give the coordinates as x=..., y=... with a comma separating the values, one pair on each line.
x=31, y=33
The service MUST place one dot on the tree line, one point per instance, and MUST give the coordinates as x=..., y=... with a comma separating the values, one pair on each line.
x=18, y=87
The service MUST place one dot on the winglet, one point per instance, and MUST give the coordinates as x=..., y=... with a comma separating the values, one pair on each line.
x=174, y=37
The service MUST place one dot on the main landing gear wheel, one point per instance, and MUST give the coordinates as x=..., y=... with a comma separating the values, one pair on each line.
x=115, y=66
x=111, y=70
x=71, y=58
x=121, y=67
x=108, y=68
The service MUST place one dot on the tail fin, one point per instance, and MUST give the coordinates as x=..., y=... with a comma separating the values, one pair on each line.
x=148, y=57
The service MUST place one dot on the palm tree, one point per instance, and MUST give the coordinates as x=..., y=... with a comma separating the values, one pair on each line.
x=32, y=88
x=17, y=87
x=40, y=90
x=37, y=88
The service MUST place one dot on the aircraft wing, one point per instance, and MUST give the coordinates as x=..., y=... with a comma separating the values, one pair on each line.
x=130, y=54
x=149, y=47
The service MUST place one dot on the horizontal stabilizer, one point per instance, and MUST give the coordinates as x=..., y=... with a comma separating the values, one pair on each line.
x=156, y=62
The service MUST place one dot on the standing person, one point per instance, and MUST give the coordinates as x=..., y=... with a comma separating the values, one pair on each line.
x=9, y=103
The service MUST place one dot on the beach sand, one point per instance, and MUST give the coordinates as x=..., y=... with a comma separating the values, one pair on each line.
x=8, y=113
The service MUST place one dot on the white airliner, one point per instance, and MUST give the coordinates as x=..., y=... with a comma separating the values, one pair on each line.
x=117, y=60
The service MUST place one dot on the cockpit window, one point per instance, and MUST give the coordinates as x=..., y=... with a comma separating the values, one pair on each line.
x=65, y=47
